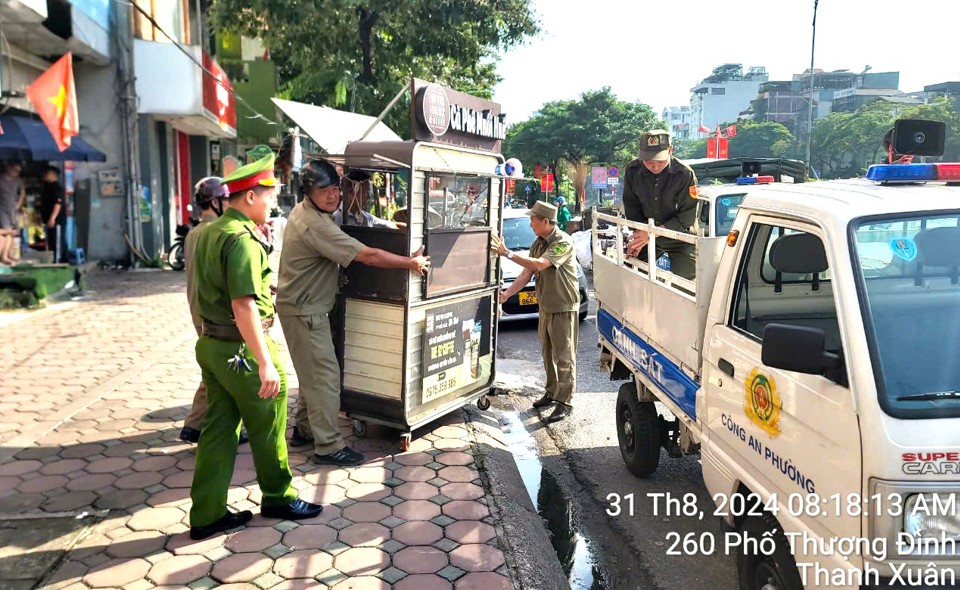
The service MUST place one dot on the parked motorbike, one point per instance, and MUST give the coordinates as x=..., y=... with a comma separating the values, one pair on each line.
x=175, y=256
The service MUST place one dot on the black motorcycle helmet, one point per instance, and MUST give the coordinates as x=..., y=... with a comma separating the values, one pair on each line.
x=210, y=192
x=319, y=173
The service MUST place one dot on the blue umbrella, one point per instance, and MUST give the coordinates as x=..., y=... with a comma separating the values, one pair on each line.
x=29, y=139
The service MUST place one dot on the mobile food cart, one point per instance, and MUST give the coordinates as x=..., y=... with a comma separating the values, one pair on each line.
x=412, y=348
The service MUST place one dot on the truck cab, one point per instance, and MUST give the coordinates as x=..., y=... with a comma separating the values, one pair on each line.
x=812, y=364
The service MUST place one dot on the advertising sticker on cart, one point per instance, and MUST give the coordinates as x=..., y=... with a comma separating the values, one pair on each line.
x=453, y=344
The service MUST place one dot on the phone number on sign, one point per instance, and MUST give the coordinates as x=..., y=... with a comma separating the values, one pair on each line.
x=796, y=505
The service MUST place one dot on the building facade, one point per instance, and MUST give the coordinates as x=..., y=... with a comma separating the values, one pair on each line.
x=678, y=121
x=721, y=97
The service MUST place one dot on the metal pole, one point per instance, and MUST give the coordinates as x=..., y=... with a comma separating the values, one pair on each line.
x=813, y=42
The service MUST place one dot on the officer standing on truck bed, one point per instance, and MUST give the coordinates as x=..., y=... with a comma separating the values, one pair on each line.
x=661, y=187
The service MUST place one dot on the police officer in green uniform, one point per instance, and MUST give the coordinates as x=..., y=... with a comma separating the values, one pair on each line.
x=208, y=196
x=314, y=250
x=243, y=375
x=558, y=295
x=660, y=187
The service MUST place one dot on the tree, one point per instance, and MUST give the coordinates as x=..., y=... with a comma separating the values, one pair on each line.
x=596, y=128
x=760, y=140
x=357, y=54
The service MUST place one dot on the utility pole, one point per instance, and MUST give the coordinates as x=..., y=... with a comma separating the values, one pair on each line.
x=813, y=43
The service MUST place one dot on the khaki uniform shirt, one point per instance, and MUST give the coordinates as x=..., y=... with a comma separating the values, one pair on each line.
x=189, y=252
x=557, y=287
x=314, y=249
x=239, y=272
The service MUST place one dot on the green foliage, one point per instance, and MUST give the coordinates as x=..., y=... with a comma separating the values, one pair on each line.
x=761, y=140
x=357, y=54
x=688, y=149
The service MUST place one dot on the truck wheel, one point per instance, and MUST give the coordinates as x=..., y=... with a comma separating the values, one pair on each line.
x=638, y=430
x=777, y=571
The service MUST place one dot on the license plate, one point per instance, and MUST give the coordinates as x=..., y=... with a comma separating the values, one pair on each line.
x=528, y=298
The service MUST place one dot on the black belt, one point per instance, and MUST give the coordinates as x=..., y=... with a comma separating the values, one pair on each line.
x=231, y=333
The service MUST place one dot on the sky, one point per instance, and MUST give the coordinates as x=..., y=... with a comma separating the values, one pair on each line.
x=655, y=52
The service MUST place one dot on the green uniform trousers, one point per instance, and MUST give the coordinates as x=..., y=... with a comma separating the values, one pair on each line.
x=232, y=395
x=559, y=334
x=310, y=342
x=683, y=257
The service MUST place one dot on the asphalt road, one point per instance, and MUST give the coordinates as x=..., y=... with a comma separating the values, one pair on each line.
x=629, y=551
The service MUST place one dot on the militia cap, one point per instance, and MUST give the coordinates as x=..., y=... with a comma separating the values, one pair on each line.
x=259, y=173
x=655, y=145
x=543, y=209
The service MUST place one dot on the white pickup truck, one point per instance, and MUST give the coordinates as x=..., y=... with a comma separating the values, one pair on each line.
x=814, y=363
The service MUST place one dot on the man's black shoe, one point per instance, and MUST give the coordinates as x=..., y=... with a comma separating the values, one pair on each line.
x=559, y=413
x=191, y=435
x=229, y=521
x=299, y=509
x=345, y=457
x=297, y=440
x=543, y=402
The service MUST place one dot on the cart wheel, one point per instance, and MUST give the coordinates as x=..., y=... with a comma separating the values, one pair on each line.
x=360, y=428
x=405, y=441
x=483, y=402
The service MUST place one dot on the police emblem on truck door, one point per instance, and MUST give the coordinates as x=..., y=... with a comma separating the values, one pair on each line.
x=762, y=403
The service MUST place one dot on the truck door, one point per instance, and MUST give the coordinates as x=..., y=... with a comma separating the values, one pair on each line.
x=779, y=432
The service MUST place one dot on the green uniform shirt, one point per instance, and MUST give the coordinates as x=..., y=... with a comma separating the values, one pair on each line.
x=563, y=216
x=247, y=272
x=557, y=285
x=189, y=251
x=670, y=197
x=314, y=249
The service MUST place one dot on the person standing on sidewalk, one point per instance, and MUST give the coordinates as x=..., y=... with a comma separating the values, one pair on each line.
x=558, y=295
x=314, y=250
x=53, y=212
x=12, y=199
x=208, y=196
x=241, y=369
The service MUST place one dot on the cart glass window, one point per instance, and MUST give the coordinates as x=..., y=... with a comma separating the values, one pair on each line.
x=457, y=232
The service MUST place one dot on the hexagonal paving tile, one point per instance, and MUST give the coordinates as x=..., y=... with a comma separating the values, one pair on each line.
x=366, y=512
x=184, y=479
x=155, y=519
x=458, y=474
x=93, y=481
x=362, y=583
x=303, y=564
x=361, y=561
x=63, y=467
x=69, y=501
x=325, y=475
x=416, y=491
x=483, y=581
x=309, y=537
x=454, y=458
x=418, y=533
x=138, y=481
x=111, y=465
x=139, y=544
x=368, y=492
x=42, y=484
x=242, y=567
x=155, y=463
x=252, y=539
x=298, y=585
x=366, y=534
x=324, y=494
x=413, y=458
x=20, y=467
x=462, y=491
x=470, y=531
x=423, y=582
x=420, y=560
x=451, y=444
x=415, y=473
x=466, y=510
x=417, y=510
x=476, y=558
x=182, y=569
x=370, y=475
x=116, y=572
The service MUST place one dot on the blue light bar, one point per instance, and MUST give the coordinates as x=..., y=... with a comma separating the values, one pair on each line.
x=747, y=180
x=902, y=172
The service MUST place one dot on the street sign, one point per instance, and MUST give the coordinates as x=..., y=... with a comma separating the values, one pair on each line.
x=546, y=183
x=598, y=176
x=613, y=171
x=613, y=181
x=528, y=188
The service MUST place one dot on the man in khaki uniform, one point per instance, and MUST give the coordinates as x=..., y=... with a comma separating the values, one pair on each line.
x=314, y=250
x=551, y=259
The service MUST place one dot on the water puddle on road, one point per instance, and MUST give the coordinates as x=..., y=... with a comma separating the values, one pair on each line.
x=572, y=548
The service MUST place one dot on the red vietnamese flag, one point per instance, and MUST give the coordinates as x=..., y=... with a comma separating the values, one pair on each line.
x=731, y=130
x=704, y=129
x=54, y=95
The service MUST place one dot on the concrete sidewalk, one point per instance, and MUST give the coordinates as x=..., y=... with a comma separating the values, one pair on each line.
x=92, y=399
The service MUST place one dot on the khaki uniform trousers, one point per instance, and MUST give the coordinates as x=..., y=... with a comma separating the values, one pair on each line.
x=310, y=341
x=559, y=334
x=199, y=407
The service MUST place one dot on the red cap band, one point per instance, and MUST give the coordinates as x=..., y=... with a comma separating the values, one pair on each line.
x=265, y=178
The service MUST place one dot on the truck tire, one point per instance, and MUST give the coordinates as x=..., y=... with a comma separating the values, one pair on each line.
x=777, y=571
x=638, y=431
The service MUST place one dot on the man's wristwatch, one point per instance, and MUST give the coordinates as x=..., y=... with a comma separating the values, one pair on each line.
x=509, y=254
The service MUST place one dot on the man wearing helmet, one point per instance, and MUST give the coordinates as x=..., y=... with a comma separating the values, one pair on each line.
x=314, y=250
x=356, y=190
x=208, y=196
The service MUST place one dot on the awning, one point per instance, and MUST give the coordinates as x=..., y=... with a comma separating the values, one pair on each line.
x=29, y=139
x=333, y=129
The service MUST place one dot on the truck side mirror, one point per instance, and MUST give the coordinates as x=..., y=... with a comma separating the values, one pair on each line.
x=797, y=348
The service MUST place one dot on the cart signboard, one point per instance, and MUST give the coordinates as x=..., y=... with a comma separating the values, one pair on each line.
x=443, y=115
x=452, y=346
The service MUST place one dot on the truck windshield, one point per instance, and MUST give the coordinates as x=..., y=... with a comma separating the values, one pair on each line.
x=910, y=294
